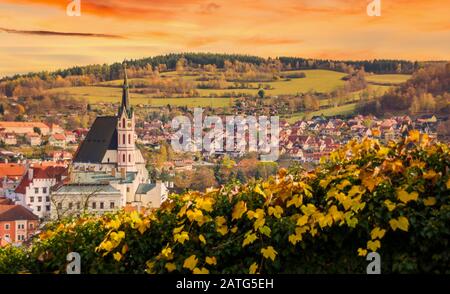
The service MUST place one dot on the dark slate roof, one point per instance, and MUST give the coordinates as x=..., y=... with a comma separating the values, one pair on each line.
x=144, y=188
x=101, y=137
x=16, y=212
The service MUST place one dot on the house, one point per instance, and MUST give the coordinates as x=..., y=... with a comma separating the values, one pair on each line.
x=70, y=137
x=33, y=139
x=10, y=176
x=35, y=186
x=60, y=156
x=23, y=128
x=17, y=224
x=57, y=140
x=8, y=138
x=56, y=129
x=108, y=170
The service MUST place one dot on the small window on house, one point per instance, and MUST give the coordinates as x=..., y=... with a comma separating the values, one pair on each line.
x=94, y=205
x=70, y=205
x=31, y=226
x=102, y=205
x=47, y=207
x=36, y=190
x=7, y=236
x=44, y=190
x=128, y=189
x=47, y=198
x=7, y=226
x=38, y=208
x=31, y=199
x=59, y=205
x=78, y=205
x=111, y=205
x=39, y=199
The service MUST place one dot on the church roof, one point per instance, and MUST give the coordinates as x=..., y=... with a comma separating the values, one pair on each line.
x=101, y=137
x=144, y=188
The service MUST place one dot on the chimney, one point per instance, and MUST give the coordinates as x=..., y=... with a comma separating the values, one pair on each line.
x=30, y=173
x=113, y=172
x=122, y=172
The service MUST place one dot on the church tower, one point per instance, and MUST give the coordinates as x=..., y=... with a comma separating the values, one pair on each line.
x=125, y=131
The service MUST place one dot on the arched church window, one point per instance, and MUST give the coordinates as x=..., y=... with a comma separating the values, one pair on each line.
x=129, y=138
x=123, y=158
x=123, y=139
x=129, y=157
x=123, y=122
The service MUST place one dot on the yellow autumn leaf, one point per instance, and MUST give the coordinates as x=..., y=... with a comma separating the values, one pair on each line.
x=390, y=205
x=405, y=197
x=302, y=220
x=362, y=252
x=249, y=239
x=383, y=152
x=202, y=238
x=117, y=256
x=269, y=252
x=190, y=262
x=170, y=267
x=202, y=271
x=276, y=211
x=124, y=249
x=414, y=136
x=238, y=210
x=205, y=204
x=211, y=260
x=429, y=175
x=430, y=201
x=181, y=237
x=223, y=230
x=377, y=233
x=253, y=268
x=373, y=245
x=401, y=223
x=448, y=183
x=260, y=191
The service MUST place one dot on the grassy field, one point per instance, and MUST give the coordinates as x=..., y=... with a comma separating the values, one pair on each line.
x=388, y=79
x=338, y=110
x=316, y=80
x=112, y=95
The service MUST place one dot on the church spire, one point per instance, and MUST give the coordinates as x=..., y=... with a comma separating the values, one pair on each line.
x=125, y=106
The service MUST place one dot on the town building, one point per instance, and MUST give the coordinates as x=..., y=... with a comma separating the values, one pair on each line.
x=17, y=224
x=33, y=191
x=108, y=170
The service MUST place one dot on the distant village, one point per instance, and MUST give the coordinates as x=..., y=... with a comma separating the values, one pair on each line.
x=66, y=178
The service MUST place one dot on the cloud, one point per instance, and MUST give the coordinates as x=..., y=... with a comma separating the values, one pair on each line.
x=209, y=8
x=53, y=33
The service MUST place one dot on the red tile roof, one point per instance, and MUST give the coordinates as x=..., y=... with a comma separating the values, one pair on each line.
x=41, y=172
x=16, y=212
x=11, y=170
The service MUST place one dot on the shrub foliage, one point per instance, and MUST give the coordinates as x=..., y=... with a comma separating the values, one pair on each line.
x=365, y=197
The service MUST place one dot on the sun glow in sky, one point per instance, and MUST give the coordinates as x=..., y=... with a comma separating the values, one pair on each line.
x=38, y=35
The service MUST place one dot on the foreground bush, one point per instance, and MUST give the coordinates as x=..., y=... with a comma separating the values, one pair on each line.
x=365, y=197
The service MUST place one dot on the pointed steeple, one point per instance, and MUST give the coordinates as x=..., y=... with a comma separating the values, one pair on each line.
x=125, y=105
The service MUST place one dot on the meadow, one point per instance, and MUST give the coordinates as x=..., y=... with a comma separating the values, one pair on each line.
x=316, y=80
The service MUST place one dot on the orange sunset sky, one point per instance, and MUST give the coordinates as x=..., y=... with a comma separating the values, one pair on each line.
x=38, y=35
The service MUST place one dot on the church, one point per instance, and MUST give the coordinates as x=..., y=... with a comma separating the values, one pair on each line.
x=108, y=171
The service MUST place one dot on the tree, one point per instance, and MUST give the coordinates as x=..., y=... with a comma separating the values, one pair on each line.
x=261, y=93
